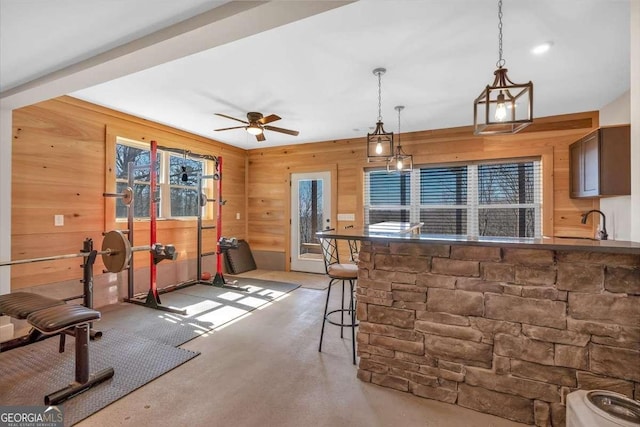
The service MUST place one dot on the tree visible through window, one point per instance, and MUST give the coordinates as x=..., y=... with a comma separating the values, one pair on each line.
x=310, y=205
x=177, y=179
x=183, y=183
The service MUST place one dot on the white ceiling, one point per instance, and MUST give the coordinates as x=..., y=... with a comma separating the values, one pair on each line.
x=316, y=72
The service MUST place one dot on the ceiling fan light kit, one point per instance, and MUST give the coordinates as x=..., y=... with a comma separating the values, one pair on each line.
x=256, y=124
x=504, y=107
x=379, y=143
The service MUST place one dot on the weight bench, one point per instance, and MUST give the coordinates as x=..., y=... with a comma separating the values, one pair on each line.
x=20, y=305
x=49, y=317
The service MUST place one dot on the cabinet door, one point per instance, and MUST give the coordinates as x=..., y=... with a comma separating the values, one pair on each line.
x=575, y=158
x=590, y=166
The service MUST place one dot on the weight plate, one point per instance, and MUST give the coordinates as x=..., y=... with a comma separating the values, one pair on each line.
x=120, y=251
x=127, y=196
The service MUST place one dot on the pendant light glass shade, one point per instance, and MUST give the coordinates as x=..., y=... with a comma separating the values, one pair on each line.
x=503, y=107
x=379, y=143
x=400, y=161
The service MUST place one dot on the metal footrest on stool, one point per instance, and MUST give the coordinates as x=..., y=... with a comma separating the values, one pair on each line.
x=343, y=310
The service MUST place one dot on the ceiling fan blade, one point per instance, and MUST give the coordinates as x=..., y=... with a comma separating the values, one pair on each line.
x=269, y=119
x=232, y=118
x=260, y=137
x=235, y=127
x=281, y=130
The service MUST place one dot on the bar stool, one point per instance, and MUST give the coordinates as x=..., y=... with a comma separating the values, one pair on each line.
x=339, y=272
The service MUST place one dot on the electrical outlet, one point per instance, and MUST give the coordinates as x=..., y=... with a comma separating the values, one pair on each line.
x=58, y=220
x=346, y=217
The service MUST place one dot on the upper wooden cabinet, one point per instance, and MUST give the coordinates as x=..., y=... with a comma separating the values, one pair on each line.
x=600, y=163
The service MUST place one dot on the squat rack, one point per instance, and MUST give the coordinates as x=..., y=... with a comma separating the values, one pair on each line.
x=222, y=244
x=158, y=251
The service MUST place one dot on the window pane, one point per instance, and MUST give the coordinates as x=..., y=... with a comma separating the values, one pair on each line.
x=510, y=183
x=382, y=215
x=516, y=222
x=184, y=202
x=126, y=154
x=443, y=186
x=140, y=203
x=444, y=221
x=184, y=171
x=389, y=189
x=310, y=207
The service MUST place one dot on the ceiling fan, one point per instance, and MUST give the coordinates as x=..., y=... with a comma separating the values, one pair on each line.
x=256, y=124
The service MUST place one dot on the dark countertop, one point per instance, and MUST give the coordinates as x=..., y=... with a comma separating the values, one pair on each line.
x=552, y=243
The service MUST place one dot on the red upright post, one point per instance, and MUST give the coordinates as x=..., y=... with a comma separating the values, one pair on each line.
x=153, y=288
x=219, y=278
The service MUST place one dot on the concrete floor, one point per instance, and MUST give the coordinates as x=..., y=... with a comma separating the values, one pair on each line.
x=265, y=370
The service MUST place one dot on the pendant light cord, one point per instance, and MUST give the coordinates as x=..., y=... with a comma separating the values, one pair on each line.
x=501, y=61
x=379, y=96
x=399, y=109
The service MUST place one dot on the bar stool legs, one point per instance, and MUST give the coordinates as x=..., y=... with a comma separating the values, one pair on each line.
x=351, y=311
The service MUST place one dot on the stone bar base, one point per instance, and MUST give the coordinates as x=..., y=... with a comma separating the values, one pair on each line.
x=505, y=331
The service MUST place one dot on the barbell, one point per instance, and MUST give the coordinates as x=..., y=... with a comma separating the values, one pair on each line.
x=126, y=195
x=116, y=252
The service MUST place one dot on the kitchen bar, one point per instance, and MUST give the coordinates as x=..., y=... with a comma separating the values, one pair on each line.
x=499, y=325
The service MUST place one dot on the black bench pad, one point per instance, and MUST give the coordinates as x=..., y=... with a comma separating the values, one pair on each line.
x=55, y=319
x=21, y=304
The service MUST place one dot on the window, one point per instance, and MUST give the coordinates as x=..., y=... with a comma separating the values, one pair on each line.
x=389, y=197
x=177, y=179
x=488, y=199
x=183, y=185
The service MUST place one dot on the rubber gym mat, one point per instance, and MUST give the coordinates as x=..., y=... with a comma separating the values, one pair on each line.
x=240, y=259
x=29, y=373
x=208, y=307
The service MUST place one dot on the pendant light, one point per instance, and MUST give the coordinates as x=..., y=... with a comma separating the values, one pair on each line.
x=379, y=143
x=503, y=107
x=400, y=162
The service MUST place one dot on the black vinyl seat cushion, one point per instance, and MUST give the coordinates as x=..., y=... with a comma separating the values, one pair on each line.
x=21, y=304
x=56, y=319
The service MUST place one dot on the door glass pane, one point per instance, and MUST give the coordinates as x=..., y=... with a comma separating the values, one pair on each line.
x=311, y=215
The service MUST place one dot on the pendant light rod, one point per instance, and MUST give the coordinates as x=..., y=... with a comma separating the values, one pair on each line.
x=379, y=72
x=399, y=108
x=501, y=62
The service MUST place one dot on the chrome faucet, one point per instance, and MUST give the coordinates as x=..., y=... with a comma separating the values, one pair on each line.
x=602, y=234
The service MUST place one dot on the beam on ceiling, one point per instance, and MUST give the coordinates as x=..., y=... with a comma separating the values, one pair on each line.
x=224, y=24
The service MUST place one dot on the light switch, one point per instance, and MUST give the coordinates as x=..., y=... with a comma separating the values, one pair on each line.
x=237, y=215
x=58, y=220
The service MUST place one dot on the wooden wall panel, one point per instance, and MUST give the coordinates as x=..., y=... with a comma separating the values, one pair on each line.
x=59, y=167
x=548, y=138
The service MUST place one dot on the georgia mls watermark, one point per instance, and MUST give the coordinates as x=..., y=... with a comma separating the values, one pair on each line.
x=31, y=416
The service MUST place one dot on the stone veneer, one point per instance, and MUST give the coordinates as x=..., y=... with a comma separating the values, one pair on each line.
x=505, y=331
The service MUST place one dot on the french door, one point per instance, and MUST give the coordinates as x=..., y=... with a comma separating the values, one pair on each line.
x=310, y=213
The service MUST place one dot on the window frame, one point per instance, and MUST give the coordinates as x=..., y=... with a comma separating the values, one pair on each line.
x=164, y=185
x=473, y=205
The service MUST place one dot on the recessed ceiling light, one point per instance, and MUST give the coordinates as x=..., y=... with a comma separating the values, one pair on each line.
x=542, y=48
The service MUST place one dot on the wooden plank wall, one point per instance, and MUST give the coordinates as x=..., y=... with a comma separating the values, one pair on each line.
x=59, y=168
x=549, y=138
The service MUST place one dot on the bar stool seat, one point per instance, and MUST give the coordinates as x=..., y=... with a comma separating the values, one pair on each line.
x=339, y=272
